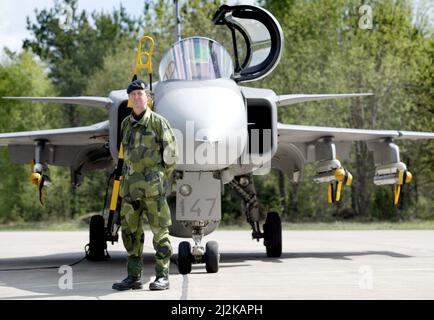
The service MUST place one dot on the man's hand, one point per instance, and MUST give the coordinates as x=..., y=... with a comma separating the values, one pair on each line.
x=136, y=204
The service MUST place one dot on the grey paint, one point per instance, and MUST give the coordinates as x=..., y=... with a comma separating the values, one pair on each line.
x=216, y=108
x=296, y=133
x=204, y=201
x=96, y=133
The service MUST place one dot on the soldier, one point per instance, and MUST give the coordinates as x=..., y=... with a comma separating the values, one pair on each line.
x=149, y=148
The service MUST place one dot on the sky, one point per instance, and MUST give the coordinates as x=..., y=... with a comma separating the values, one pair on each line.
x=13, y=15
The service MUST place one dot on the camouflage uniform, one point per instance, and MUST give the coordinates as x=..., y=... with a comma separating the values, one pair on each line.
x=143, y=188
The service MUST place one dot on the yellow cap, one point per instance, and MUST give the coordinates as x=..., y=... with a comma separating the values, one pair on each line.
x=340, y=174
x=408, y=177
x=36, y=177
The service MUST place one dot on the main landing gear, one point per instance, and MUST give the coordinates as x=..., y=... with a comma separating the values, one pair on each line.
x=272, y=234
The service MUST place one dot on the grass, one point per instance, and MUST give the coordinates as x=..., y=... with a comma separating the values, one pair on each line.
x=45, y=226
x=340, y=225
x=79, y=225
x=343, y=225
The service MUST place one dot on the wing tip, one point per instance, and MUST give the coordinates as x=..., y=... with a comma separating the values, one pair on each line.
x=91, y=101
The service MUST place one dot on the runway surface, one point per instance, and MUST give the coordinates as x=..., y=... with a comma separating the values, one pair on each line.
x=313, y=265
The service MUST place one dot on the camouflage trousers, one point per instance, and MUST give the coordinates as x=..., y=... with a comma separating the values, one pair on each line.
x=157, y=212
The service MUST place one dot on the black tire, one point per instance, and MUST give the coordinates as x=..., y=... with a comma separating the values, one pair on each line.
x=184, y=257
x=97, y=243
x=273, y=235
x=212, y=257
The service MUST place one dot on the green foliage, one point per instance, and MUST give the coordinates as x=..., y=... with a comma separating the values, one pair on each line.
x=383, y=208
x=75, y=50
x=20, y=75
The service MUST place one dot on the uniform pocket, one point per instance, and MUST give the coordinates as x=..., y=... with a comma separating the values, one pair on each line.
x=153, y=185
x=147, y=185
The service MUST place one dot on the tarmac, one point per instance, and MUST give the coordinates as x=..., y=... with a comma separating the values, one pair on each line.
x=313, y=265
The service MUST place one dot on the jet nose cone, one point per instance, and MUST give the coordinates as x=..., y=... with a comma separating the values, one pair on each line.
x=211, y=118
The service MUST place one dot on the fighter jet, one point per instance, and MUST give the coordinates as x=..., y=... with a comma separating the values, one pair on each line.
x=226, y=132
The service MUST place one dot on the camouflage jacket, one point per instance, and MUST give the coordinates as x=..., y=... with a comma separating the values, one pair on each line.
x=147, y=143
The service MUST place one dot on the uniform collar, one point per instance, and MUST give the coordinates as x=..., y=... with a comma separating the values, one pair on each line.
x=143, y=121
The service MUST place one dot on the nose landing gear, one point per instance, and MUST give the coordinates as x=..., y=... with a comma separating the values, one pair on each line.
x=186, y=257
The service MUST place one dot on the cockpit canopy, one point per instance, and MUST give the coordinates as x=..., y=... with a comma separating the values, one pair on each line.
x=196, y=58
x=257, y=43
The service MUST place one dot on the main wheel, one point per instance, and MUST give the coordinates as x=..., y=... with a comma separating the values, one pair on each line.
x=273, y=235
x=184, y=257
x=212, y=257
x=97, y=243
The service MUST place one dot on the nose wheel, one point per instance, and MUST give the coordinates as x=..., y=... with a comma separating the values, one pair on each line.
x=185, y=257
x=210, y=256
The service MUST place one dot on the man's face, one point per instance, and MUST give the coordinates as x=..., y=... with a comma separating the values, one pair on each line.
x=139, y=100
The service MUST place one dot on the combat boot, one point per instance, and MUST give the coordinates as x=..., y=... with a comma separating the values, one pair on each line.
x=161, y=283
x=128, y=283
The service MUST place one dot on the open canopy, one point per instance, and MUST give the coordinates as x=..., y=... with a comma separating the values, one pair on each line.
x=257, y=40
x=196, y=58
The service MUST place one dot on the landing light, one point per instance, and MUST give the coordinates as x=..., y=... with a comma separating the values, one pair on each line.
x=185, y=190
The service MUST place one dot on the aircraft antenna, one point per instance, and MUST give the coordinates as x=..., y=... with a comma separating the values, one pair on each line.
x=178, y=21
